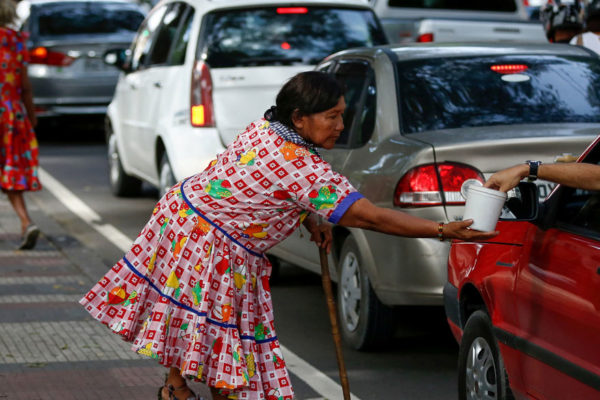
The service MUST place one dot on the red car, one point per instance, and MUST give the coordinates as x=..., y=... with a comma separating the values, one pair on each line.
x=525, y=306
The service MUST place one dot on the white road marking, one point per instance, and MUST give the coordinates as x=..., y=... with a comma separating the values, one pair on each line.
x=314, y=378
x=83, y=211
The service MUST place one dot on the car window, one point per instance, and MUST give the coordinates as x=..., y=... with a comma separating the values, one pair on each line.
x=360, y=97
x=143, y=41
x=449, y=93
x=182, y=39
x=478, y=5
x=166, y=33
x=578, y=209
x=77, y=18
x=284, y=35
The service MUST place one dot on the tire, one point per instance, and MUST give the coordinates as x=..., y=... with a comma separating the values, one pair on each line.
x=365, y=322
x=121, y=184
x=481, y=372
x=166, y=179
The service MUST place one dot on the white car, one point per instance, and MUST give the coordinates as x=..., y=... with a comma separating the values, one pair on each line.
x=199, y=71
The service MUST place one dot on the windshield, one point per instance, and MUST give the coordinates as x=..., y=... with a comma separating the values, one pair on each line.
x=476, y=5
x=69, y=18
x=466, y=92
x=285, y=35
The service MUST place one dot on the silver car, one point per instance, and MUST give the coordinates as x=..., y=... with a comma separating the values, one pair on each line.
x=422, y=119
x=66, y=44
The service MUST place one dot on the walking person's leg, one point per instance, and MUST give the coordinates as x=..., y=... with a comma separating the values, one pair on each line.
x=17, y=200
x=29, y=231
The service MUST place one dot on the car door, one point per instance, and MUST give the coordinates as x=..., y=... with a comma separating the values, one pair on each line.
x=558, y=295
x=130, y=94
x=154, y=93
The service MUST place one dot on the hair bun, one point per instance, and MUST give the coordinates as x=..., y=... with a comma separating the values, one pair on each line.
x=271, y=114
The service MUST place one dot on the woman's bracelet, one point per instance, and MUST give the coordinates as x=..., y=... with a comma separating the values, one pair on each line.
x=440, y=234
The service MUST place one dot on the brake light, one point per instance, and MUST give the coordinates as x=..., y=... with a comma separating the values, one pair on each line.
x=292, y=10
x=425, y=37
x=41, y=55
x=201, y=104
x=434, y=185
x=508, y=68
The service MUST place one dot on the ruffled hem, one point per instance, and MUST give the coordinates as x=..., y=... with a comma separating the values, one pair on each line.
x=196, y=342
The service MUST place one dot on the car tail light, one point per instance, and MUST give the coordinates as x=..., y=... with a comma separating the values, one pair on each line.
x=425, y=37
x=201, y=103
x=41, y=55
x=434, y=185
x=292, y=10
x=508, y=68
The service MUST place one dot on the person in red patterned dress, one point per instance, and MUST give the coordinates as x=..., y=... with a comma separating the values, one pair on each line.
x=193, y=291
x=19, y=148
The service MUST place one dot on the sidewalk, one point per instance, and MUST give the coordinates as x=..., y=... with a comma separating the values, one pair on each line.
x=50, y=348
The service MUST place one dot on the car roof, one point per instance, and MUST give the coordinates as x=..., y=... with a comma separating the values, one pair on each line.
x=218, y=4
x=447, y=50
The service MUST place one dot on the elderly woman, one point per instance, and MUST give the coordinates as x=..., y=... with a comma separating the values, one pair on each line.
x=193, y=291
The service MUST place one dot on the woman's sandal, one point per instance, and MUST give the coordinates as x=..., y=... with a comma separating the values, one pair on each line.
x=172, y=391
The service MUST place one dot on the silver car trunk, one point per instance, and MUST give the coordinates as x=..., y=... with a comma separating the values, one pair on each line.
x=87, y=76
x=492, y=148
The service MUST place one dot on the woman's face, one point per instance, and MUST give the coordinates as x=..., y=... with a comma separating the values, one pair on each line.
x=323, y=128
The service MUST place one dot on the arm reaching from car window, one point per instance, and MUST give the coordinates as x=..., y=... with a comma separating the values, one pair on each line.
x=364, y=214
x=577, y=175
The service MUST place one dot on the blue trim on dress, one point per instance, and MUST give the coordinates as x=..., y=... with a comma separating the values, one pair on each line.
x=190, y=309
x=341, y=209
x=254, y=253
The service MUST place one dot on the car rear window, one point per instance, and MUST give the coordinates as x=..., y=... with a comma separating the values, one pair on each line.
x=285, y=35
x=482, y=91
x=68, y=18
x=475, y=5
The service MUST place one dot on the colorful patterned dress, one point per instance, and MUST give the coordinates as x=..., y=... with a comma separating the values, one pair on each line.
x=193, y=291
x=19, y=150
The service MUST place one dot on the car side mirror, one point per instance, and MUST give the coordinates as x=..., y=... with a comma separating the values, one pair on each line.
x=522, y=203
x=118, y=58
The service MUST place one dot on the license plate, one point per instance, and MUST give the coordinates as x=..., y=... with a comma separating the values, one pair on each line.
x=94, y=64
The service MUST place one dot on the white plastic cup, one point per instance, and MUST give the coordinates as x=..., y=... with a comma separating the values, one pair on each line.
x=483, y=206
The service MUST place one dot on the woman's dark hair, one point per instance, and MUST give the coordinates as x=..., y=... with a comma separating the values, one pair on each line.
x=308, y=92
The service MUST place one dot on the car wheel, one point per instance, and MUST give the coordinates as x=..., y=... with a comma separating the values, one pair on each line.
x=365, y=322
x=481, y=373
x=166, y=179
x=121, y=184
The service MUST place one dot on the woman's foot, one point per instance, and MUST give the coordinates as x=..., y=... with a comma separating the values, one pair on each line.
x=30, y=236
x=170, y=392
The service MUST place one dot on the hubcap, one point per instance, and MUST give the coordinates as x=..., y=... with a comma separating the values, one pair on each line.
x=113, y=159
x=351, y=291
x=481, y=372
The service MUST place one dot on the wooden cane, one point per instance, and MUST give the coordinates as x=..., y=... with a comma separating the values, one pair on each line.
x=334, y=323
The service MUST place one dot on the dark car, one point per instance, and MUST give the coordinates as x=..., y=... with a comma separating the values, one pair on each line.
x=67, y=40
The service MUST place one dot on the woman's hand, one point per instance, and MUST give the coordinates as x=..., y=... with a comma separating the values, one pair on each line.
x=320, y=232
x=460, y=230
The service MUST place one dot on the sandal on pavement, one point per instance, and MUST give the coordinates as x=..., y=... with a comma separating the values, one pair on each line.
x=171, y=393
x=30, y=237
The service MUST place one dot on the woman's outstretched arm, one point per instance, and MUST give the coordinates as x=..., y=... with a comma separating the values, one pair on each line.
x=364, y=214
